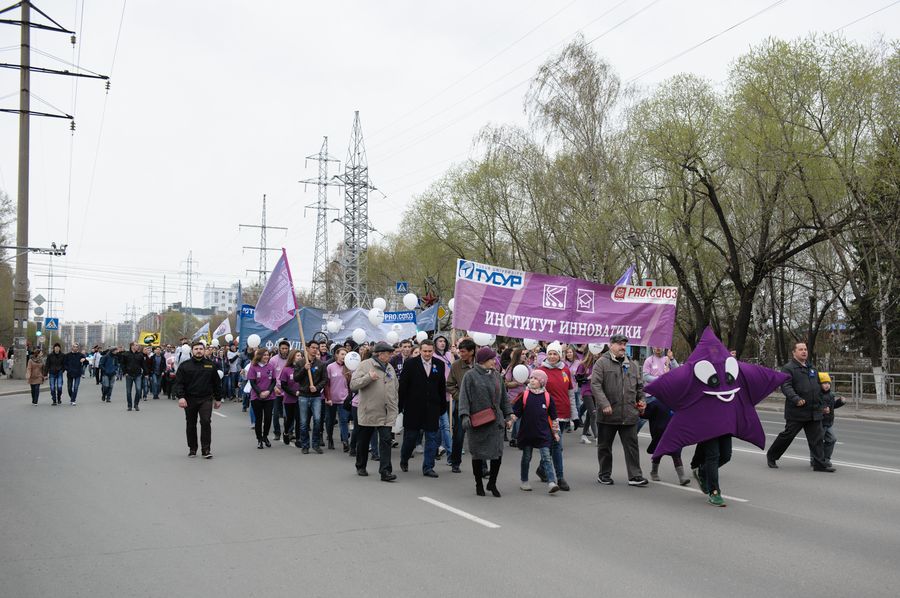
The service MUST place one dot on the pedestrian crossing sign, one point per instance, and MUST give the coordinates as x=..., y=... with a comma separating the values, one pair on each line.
x=51, y=323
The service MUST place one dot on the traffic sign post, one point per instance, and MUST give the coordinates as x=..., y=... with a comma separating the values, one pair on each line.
x=51, y=324
x=402, y=287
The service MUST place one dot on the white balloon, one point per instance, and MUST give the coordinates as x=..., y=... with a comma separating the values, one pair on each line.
x=203, y=340
x=215, y=342
x=229, y=338
x=450, y=304
x=221, y=374
x=351, y=360
x=596, y=348
x=379, y=303
x=482, y=339
x=253, y=341
x=392, y=337
x=376, y=316
x=410, y=301
x=421, y=336
x=529, y=343
x=333, y=326
x=358, y=336
x=396, y=327
x=520, y=373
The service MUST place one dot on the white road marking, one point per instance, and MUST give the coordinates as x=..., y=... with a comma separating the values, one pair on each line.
x=876, y=468
x=456, y=511
x=219, y=414
x=801, y=437
x=698, y=491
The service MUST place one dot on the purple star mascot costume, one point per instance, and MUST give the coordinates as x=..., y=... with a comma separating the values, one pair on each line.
x=714, y=397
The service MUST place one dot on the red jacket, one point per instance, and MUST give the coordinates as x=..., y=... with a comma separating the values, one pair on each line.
x=559, y=382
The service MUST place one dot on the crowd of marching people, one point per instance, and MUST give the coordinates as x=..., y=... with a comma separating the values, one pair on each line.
x=435, y=398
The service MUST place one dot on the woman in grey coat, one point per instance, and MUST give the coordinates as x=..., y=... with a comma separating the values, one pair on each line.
x=483, y=388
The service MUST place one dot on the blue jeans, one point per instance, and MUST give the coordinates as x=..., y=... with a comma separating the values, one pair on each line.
x=337, y=414
x=309, y=405
x=56, y=382
x=411, y=437
x=546, y=464
x=444, y=424
x=106, y=383
x=228, y=386
x=137, y=383
x=154, y=385
x=73, y=381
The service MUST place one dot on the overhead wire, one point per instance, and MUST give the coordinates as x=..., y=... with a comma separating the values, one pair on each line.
x=864, y=17
x=473, y=71
x=505, y=92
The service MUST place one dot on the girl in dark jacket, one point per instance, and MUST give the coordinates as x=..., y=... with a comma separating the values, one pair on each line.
x=538, y=426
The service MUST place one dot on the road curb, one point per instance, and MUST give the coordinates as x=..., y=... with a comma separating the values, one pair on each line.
x=844, y=413
x=26, y=390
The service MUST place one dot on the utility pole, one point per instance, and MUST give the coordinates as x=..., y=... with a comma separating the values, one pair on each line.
x=320, y=255
x=21, y=299
x=188, y=298
x=355, y=220
x=262, y=271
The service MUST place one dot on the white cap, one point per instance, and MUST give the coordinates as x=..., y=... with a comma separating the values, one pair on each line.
x=555, y=346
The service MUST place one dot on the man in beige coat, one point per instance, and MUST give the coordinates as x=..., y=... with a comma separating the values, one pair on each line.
x=376, y=382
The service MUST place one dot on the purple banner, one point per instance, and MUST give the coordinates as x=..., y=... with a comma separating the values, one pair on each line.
x=530, y=305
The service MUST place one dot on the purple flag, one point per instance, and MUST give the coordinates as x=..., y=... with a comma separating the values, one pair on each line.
x=277, y=303
x=530, y=305
x=626, y=277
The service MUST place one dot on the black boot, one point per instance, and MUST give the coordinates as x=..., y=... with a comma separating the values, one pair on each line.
x=492, y=480
x=330, y=443
x=478, y=470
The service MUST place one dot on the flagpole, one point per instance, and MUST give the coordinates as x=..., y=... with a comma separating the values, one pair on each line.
x=297, y=314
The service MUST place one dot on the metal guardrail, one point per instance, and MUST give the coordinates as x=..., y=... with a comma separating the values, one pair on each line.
x=861, y=387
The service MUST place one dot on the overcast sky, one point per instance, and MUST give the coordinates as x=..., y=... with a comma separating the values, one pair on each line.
x=214, y=103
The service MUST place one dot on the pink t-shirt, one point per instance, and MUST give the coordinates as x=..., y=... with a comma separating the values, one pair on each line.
x=337, y=383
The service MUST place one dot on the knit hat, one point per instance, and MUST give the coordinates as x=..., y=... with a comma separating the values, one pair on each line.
x=824, y=377
x=485, y=354
x=555, y=346
x=540, y=376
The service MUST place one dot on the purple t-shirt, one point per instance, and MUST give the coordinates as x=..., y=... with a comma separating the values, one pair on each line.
x=262, y=376
x=337, y=389
x=286, y=381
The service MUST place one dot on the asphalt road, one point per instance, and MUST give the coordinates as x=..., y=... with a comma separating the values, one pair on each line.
x=96, y=501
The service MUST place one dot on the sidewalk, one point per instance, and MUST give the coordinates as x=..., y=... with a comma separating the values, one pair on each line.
x=886, y=413
x=14, y=387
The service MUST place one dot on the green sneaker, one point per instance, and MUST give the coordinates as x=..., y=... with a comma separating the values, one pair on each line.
x=700, y=482
x=715, y=499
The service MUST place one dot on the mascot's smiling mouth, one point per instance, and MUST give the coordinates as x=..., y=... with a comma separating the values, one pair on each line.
x=726, y=396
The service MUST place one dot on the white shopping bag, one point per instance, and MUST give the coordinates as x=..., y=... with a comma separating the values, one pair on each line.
x=398, y=424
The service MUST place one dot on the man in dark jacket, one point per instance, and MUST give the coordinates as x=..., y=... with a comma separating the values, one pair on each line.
x=157, y=371
x=458, y=370
x=73, y=364
x=54, y=367
x=199, y=392
x=422, y=400
x=133, y=366
x=803, y=410
x=310, y=397
x=109, y=365
x=618, y=390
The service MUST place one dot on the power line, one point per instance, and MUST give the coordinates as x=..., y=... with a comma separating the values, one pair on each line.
x=864, y=17
x=704, y=42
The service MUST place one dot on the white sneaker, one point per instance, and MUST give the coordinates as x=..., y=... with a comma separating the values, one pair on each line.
x=553, y=487
x=526, y=486
x=585, y=439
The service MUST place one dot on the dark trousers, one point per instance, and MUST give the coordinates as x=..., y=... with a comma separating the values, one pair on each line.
x=278, y=413
x=628, y=436
x=203, y=409
x=815, y=436
x=290, y=418
x=384, y=447
x=709, y=456
x=459, y=436
x=262, y=410
x=35, y=393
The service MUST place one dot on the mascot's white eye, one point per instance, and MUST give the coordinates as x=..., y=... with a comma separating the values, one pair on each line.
x=731, y=369
x=706, y=373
